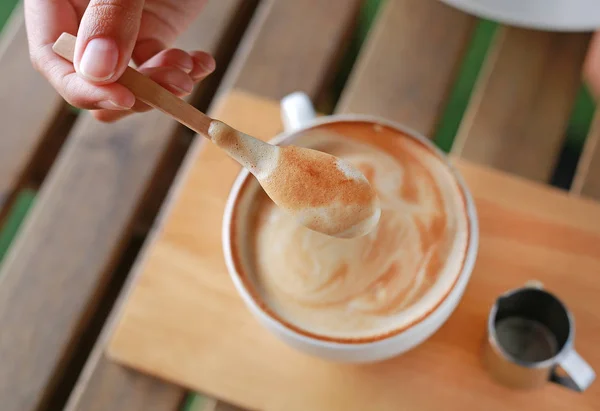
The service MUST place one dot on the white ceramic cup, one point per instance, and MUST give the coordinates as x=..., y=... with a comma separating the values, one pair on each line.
x=553, y=15
x=298, y=114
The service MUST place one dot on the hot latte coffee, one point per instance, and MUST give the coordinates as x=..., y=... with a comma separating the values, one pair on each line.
x=364, y=288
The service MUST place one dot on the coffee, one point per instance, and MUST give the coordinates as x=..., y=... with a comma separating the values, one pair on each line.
x=365, y=288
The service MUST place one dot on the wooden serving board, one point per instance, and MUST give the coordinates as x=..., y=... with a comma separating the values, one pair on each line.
x=185, y=323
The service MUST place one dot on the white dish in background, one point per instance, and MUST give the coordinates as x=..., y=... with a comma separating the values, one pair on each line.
x=553, y=15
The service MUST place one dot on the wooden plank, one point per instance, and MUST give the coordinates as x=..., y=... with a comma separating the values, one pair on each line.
x=291, y=46
x=408, y=63
x=26, y=122
x=104, y=385
x=112, y=387
x=57, y=270
x=527, y=231
x=517, y=118
x=587, y=175
x=209, y=404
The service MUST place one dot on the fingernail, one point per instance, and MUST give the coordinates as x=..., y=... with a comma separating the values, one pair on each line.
x=99, y=60
x=186, y=66
x=111, y=105
x=186, y=70
x=209, y=66
x=206, y=65
x=187, y=89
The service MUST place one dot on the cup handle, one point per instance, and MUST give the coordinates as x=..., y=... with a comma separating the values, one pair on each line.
x=297, y=111
x=534, y=284
x=580, y=373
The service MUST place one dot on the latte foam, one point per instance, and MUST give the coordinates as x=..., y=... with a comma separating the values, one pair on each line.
x=370, y=286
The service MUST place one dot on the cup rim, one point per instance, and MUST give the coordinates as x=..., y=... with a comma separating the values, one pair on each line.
x=283, y=328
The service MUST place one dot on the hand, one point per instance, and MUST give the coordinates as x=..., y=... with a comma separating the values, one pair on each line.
x=110, y=33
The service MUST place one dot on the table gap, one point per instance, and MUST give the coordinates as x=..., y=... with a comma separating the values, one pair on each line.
x=464, y=84
x=365, y=19
x=42, y=159
x=576, y=134
x=50, y=147
x=15, y=216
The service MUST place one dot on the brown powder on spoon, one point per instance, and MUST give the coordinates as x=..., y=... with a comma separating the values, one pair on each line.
x=308, y=178
x=325, y=194
x=333, y=197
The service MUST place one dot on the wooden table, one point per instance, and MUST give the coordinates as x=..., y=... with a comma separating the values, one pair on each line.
x=102, y=187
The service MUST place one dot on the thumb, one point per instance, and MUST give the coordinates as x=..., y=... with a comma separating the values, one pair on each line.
x=106, y=37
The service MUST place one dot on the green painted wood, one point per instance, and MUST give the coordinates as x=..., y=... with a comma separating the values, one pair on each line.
x=465, y=83
x=365, y=19
x=581, y=119
x=196, y=402
x=6, y=7
x=579, y=122
x=15, y=218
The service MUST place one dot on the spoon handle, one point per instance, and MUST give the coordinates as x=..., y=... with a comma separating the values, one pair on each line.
x=146, y=90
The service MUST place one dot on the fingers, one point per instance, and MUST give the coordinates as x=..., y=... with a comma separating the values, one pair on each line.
x=45, y=21
x=173, y=79
x=106, y=41
x=171, y=58
x=175, y=70
x=106, y=37
x=591, y=67
x=198, y=64
x=204, y=64
x=162, y=22
x=80, y=93
x=163, y=76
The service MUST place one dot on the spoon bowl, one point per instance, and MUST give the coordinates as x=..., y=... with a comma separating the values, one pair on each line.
x=322, y=192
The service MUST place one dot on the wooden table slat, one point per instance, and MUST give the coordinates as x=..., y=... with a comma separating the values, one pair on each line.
x=291, y=46
x=408, y=64
x=104, y=385
x=109, y=386
x=587, y=175
x=59, y=265
x=26, y=121
x=518, y=115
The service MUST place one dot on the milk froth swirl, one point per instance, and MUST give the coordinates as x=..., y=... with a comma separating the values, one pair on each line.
x=379, y=283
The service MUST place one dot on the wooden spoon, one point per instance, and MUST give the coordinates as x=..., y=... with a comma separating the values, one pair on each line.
x=322, y=192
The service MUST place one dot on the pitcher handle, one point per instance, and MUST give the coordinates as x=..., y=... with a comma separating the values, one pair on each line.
x=580, y=373
x=297, y=111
